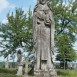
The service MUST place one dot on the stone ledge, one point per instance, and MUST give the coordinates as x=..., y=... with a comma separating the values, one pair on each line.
x=42, y=73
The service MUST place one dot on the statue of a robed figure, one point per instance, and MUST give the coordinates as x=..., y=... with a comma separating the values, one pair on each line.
x=19, y=63
x=43, y=36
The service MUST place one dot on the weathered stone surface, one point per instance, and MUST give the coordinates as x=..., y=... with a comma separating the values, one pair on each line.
x=43, y=36
x=19, y=56
x=6, y=64
x=41, y=73
x=20, y=65
x=26, y=67
x=19, y=71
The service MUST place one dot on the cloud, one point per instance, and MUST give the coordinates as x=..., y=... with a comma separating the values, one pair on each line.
x=4, y=21
x=3, y=5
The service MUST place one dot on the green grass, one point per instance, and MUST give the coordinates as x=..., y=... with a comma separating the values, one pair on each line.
x=8, y=72
x=61, y=73
x=67, y=73
x=8, y=75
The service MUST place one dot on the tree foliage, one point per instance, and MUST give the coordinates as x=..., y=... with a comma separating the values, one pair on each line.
x=65, y=15
x=17, y=31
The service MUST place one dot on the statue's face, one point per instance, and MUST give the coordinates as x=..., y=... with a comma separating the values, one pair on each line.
x=43, y=1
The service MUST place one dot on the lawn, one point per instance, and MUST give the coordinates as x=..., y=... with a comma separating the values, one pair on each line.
x=67, y=73
x=61, y=73
x=8, y=72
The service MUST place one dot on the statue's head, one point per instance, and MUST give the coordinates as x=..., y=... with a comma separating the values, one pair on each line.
x=19, y=52
x=42, y=1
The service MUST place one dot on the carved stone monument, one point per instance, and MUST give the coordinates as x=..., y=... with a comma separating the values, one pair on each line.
x=20, y=65
x=6, y=63
x=26, y=68
x=43, y=36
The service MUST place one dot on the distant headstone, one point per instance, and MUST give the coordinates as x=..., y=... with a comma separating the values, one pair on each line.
x=26, y=68
x=19, y=71
x=6, y=63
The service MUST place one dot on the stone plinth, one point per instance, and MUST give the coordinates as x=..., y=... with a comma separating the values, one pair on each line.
x=49, y=73
x=19, y=71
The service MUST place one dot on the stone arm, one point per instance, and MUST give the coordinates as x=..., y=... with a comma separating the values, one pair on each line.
x=52, y=32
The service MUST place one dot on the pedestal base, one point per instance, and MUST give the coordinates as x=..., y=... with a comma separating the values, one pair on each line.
x=49, y=73
x=19, y=71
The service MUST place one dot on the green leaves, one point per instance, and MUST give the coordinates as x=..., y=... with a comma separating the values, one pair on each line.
x=17, y=30
x=65, y=16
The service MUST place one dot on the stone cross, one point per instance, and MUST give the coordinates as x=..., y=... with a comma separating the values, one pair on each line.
x=26, y=68
x=43, y=37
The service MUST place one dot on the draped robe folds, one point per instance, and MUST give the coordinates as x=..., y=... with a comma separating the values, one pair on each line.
x=43, y=34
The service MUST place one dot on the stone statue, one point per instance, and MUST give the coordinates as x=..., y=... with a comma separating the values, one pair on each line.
x=19, y=60
x=43, y=36
x=19, y=56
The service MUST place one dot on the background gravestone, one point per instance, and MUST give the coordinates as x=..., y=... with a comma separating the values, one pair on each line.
x=6, y=63
x=19, y=61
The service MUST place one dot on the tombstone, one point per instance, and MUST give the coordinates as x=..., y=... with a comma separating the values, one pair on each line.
x=6, y=63
x=19, y=61
x=20, y=67
x=26, y=68
x=43, y=37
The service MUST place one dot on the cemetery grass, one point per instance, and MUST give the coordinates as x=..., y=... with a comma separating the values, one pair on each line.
x=8, y=72
x=66, y=73
x=11, y=72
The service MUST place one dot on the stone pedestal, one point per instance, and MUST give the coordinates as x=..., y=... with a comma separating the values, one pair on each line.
x=6, y=64
x=49, y=73
x=46, y=70
x=26, y=68
x=19, y=71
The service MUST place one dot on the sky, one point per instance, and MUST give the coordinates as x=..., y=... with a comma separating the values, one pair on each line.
x=7, y=6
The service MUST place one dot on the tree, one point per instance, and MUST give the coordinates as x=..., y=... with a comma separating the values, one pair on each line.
x=65, y=50
x=18, y=30
x=65, y=15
